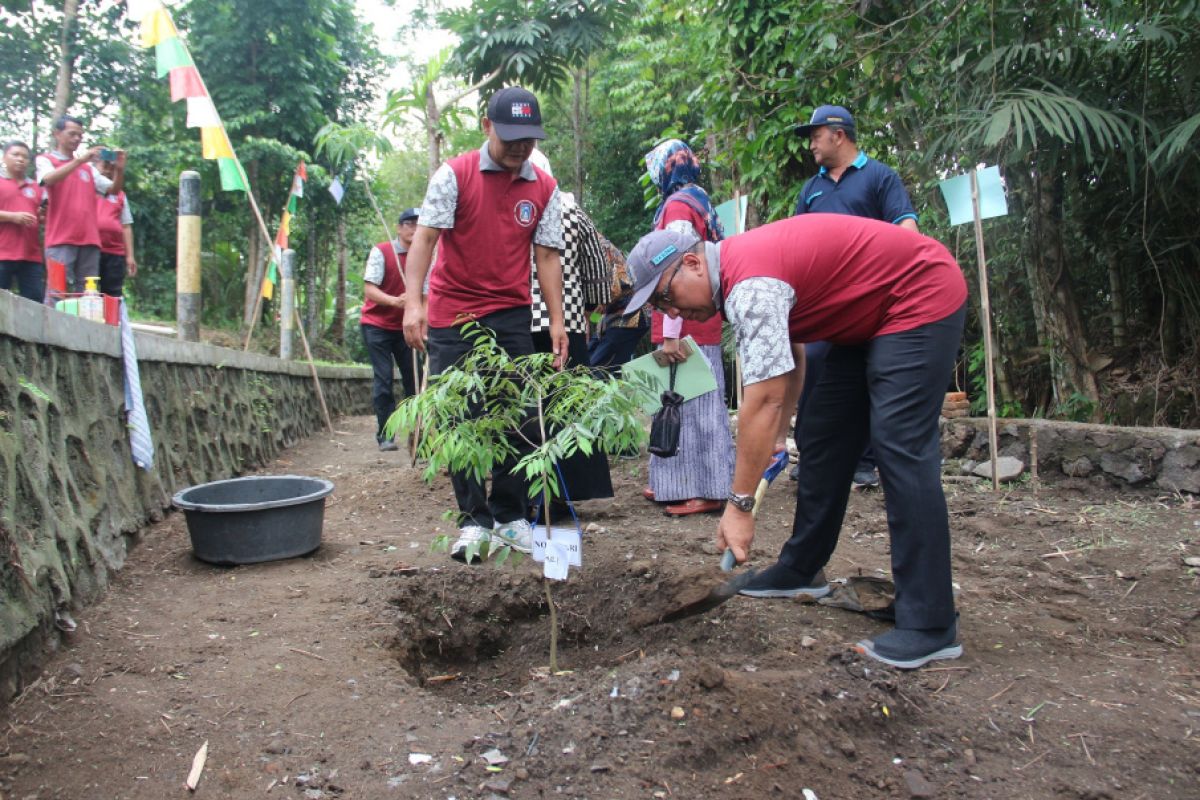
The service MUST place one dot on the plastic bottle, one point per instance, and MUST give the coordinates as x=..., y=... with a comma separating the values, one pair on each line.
x=91, y=304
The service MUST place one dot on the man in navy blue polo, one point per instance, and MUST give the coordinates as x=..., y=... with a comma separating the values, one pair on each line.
x=848, y=182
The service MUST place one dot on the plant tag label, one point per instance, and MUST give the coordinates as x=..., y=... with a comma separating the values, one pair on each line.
x=538, y=543
x=556, y=563
x=568, y=538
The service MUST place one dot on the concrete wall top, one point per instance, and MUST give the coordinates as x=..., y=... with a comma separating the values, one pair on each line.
x=39, y=324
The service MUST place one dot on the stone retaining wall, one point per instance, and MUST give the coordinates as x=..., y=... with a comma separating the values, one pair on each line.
x=71, y=499
x=1155, y=458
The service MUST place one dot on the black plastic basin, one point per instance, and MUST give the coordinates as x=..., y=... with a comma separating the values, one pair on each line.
x=259, y=518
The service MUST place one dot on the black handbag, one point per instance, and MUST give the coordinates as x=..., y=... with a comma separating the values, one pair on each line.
x=664, y=429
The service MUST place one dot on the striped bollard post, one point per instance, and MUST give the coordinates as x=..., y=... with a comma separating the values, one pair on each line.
x=187, y=259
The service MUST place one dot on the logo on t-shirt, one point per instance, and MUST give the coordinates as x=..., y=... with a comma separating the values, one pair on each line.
x=522, y=110
x=112, y=198
x=29, y=192
x=525, y=213
x=84, y=175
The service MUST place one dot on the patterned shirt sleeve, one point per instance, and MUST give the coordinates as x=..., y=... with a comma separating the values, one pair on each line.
x=549, y=231
x=126, y=213
x=44, y=167
x=758, y=309
x=441, y=199
x=374, y=271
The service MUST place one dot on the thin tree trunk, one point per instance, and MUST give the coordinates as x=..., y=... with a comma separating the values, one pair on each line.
x=66, y=58
x=337, y=329
x=1056, y=310
x=1170, y=328
x=432, y=135
x=1117, y=298
x=310, y=286
x=578, y=125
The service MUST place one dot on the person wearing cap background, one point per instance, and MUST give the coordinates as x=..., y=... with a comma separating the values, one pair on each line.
x=892, y=304
x=848, y=182
x=382, y=322
x=483, y=210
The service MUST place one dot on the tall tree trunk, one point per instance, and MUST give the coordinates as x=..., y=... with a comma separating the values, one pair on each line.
x=1056, y=311
x=578, y=125
x=1117, y=298
x=66, y=58
x=310, y=287
x=1170, y=328
x=432, y=135
x=337, y=329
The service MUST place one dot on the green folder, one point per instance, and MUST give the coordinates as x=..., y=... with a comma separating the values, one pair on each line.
x=692, y=378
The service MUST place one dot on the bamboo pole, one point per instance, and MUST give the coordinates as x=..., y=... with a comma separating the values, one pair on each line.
x=986, y=314
x=313, y=368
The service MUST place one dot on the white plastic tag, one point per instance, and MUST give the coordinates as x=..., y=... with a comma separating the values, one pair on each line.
x=538, y=540
x=569, y=539
x=556, y=565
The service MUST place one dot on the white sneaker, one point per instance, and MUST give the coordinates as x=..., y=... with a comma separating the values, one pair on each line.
x=517, y=534
x=468, y=535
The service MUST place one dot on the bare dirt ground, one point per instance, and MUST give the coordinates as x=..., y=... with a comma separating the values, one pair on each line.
x=376, y=669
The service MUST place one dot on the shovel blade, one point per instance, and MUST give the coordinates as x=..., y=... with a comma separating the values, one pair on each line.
x=718, y=596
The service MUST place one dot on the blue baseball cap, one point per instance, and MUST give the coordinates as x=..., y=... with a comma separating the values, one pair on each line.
x=650, y=258
x=827, y=115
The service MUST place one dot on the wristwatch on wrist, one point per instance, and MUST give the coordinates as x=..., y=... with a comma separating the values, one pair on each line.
x=742, y=502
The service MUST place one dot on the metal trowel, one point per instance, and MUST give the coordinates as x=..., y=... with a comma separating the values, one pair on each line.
x=729, y=588
x=717, y=596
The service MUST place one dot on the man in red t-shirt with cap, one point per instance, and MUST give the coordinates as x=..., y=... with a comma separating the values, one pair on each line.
x=483, y=211
x=892, y=303
x=382, y=321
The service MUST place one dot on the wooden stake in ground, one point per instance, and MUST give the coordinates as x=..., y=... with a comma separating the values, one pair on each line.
x=986, y=314
x=416, y=437
x=193, y=778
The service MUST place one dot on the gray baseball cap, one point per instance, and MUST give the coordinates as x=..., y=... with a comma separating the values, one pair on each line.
x=653, y=255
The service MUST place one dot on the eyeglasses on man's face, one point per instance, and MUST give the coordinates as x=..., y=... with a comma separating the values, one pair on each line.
x=662, y=300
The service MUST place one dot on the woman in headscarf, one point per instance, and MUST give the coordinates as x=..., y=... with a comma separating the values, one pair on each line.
x=696, y=480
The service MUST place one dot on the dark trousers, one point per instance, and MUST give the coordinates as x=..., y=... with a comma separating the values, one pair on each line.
x=586, y=476
x=30, y=277
x=112, y=273
x=387, y=348
x=509, y=497
x=815, y=354
x=615, y=347
x=889, y=390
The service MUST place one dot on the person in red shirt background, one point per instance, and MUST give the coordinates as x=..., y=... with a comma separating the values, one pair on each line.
x=382, y=321
x=114, y=221
x=21, y=200
x=696, y=479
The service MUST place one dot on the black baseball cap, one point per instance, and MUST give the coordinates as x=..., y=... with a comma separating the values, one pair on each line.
x=827, y=115
x=515, y=114
x=409, y=213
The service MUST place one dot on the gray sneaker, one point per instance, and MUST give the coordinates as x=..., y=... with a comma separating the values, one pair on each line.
x=517, y=534
x=468, y=535
x=910, y=649
x=388, y=446
x=780, y=581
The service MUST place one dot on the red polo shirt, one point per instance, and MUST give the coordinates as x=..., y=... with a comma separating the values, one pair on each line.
x=854, y=278
x=483, y=261
x=709, y=331
x=387, y=317
x=20, y=242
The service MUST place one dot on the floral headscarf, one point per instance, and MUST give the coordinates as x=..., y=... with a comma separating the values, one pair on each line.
x=674, y=170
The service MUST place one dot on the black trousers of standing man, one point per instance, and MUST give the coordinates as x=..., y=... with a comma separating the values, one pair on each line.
x=509, y=498
x=386, y=348
x=890, y=391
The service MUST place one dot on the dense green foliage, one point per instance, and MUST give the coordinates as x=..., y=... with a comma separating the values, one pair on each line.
x=1091, y=110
